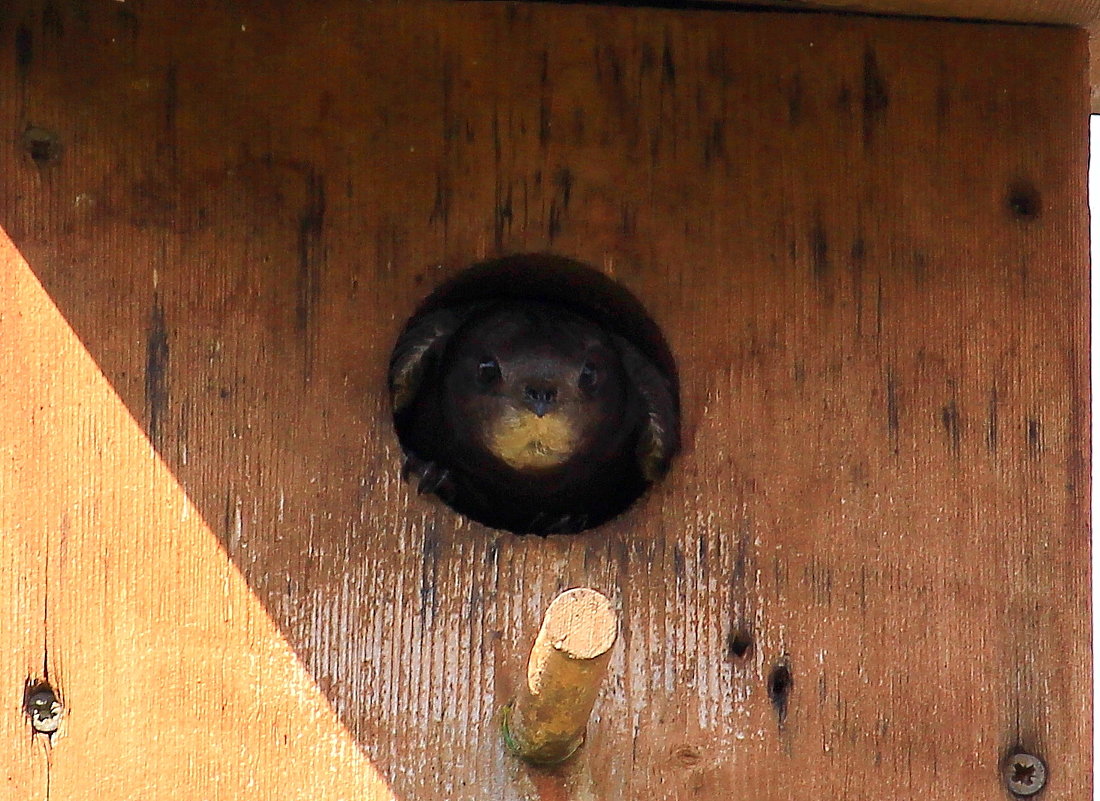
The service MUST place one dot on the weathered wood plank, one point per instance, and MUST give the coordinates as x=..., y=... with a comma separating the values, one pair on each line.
x=1057, y=12
x=865, y=242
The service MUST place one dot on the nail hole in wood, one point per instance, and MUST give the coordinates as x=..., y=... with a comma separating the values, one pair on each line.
x=1024, y=200
x=780, y=684
x=740, y=643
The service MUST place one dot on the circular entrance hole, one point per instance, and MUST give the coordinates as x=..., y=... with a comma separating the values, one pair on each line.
x=532, y=393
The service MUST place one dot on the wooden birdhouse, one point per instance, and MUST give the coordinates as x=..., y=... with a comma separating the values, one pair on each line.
x=857, y=244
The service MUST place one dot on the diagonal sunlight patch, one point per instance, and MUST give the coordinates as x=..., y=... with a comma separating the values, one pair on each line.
x=176, y=682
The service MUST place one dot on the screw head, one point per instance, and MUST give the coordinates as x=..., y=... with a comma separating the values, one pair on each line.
x=44, y=710
x=42, y=144
x=1025, y=774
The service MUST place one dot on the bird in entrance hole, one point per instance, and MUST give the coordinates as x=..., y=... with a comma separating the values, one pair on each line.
x=529, y=416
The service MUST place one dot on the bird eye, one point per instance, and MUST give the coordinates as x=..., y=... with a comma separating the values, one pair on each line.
x=588, y=378
x=488, y=372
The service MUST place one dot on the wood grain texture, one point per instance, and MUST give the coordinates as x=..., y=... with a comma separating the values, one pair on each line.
x=866, y=575
x=1057, y=12
x=1080, y=13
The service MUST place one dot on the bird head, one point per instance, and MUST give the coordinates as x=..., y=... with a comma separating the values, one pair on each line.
x=533, y=386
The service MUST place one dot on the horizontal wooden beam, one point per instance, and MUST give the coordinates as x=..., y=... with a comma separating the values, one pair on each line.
x=1079, y=13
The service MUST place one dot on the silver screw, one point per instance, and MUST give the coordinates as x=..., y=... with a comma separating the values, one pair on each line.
x=1025, y=774
x=44, y=710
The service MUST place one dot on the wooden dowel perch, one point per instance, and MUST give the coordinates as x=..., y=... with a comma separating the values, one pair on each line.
x=545, y=723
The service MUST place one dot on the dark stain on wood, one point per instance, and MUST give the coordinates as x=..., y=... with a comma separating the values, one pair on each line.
x=24, y=50
x=992, y=425
x=545, y=99
x=609, y=69
x=503, y=215
x=559, y=203
x=858, y=249
x=918, y=263
x=743, y=593
x=129, y=21
x=429, y=569
x=311, y=226
x=647, y=60
x=949, y=418
x=780, y=686
x=879, y=306
x=798, y=373
x=156, y=371
x=628, y=219
x=441, y=207
x=876, y=96
x=819, y=249
x=51, y=20
x=668, y=63
x=679, y=567
x=1024, y=201
x=563, y=181
x=739, y=573
x=1034, y=437
x=714, y=144
x=843, y=100
x=229, y=508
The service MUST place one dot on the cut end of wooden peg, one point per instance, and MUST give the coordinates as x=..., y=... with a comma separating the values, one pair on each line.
x=580, y=624
x=546, y=722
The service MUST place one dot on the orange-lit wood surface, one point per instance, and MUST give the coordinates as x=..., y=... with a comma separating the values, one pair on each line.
x=864, y=239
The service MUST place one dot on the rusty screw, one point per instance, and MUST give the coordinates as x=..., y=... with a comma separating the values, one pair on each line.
x=44, y=710
x=42, y=145
x=1025, y=774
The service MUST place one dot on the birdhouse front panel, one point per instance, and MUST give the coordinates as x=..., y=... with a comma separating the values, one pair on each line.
x=858, y=249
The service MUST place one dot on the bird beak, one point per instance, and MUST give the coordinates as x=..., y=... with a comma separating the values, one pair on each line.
x=540, y=399
x=540, y=407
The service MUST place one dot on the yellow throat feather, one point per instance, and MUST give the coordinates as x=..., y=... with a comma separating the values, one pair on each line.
x=525, y=441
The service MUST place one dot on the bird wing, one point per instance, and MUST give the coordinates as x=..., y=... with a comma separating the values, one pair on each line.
x=660, y=435
x=419, y=347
